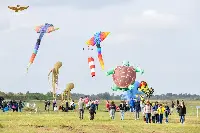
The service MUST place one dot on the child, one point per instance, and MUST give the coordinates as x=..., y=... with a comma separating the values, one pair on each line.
x=112, y=109
x=167, y=112
x=161, y=111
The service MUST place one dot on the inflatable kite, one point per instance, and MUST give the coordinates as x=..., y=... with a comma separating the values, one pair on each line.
x=96, y=40
x=47, y=28
x=133, y=93
x=55, y=73
x=67, y=91
x=145, y=89
x=18, y=8
x=124, y=76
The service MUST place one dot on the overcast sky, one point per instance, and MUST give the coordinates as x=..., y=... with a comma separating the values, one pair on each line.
x=162, y=37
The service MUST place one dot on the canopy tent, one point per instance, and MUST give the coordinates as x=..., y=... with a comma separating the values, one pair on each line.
x=198, y=107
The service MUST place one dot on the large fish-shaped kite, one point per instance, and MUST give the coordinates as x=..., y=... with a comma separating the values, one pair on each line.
x=47, y=28
x=18, y=8
x=96, y=40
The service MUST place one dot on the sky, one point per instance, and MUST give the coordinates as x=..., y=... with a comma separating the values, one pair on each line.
x=162, y=37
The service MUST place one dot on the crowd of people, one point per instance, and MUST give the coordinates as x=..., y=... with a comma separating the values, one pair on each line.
x=152, y=112
x=12, y=105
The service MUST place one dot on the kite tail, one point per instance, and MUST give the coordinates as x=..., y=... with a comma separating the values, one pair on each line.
x=34, y=54
x=100, y=58
x=101, y=61
x=91, y=65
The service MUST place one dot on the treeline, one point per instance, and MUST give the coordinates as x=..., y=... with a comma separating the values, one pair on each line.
x=106, y=96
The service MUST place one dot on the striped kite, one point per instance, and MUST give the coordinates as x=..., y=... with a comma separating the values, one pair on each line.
x=96, y=40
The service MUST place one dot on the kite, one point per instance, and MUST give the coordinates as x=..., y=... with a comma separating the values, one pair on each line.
x=18, y=8
x=92, y=66
x=67, y=91
x=133, y=93
x=96, y=40
x=42, y=29
x=124, y=76
x=145, y=89
x=55, y=73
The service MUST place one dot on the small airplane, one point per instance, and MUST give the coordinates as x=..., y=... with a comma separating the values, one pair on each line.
x=18, y=8
x=47, y=28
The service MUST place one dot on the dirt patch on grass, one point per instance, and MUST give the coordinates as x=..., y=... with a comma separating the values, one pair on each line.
x=108, y=128
x=36, y=126
x=69, y=128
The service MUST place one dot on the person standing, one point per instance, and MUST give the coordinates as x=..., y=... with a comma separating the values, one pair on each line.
x=20, y=106
x=148, y=111
x=122, y=108
x=182, y=112
x=161, y=111
x=112, y=109
x=107, y=105
x=92, y=110
x=45, y=105
x=155, y=110
x=97, y=104
x=167, y=112
x=81, y=108
x=54, y=103
x=137, y=109
x=48, y=105
x=173, y=106
x=132, y=105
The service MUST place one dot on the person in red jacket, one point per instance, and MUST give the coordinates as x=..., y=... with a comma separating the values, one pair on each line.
x=107, y=105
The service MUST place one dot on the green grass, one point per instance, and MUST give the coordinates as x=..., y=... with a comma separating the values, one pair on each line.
x=64, y=122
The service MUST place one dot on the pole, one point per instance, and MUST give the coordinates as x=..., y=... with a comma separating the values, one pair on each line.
x=197, y=112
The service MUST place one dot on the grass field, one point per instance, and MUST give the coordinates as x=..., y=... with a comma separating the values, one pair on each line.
x=68, y=122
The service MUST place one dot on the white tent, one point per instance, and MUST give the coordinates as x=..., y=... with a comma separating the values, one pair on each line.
x=198, y=107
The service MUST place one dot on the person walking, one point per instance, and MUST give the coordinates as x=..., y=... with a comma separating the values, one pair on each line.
x=112, y=109
x=182, y=112
x=92, y=110
x=148, y=111
x=81, y=108
x=122, y=108
x=137, y=109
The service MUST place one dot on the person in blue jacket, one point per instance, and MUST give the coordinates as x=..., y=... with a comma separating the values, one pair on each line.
x=137, y=109
x=155, y=108
x=92, y=111
x=132, y=105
